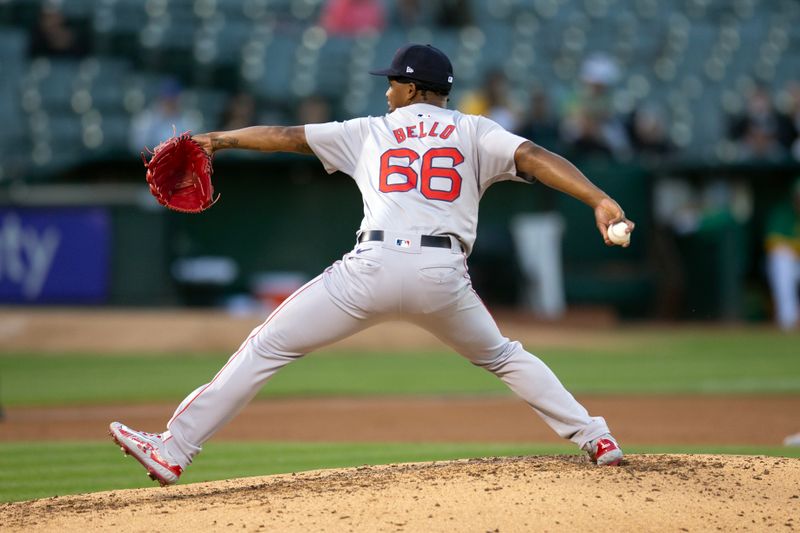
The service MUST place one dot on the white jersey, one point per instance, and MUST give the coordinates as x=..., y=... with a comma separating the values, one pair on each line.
x=421, y=168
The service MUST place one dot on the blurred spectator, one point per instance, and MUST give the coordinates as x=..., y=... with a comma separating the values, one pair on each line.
x=760, y=132
x=585, y=134
x=759, y=143
x=408, y=13
x=783, y=259
x=313, y=110
x=452, y=13
x=155, y=123
x=240, y=112
x=590, y=124
x=792, y=117
x=647, y=129
x=540, y=123
x=492, y=100
x=352, y=17
x=52, y=36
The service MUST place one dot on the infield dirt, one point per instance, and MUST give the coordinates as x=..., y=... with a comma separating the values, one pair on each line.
x=562, y=493
x=639, y=420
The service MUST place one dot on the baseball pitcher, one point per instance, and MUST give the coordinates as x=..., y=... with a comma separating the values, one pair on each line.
x=422, y=170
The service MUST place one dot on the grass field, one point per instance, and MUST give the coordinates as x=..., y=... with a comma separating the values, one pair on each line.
x=660, y=362
x=652, y=362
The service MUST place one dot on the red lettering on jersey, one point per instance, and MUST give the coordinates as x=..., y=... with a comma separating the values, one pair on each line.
x=399, y=134
x=422, y=133
x=410, y=131
x=401, y=169
x=433, y=130
x=447, y=131
x=428, y=173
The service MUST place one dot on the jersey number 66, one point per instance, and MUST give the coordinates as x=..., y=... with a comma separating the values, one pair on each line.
x=428, y=173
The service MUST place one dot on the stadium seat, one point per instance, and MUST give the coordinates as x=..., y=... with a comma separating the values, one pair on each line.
x=116, y=132
x=208, y=103
x=53, y=81
x=331, y=69
x=13, y=45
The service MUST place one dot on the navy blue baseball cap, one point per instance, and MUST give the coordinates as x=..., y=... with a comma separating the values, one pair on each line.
x=420, y=62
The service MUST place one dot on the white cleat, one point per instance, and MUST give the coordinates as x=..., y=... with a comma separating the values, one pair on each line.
x=149, y=450
x=604, y=451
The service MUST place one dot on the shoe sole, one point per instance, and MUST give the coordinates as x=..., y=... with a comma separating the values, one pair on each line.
x=615, y=459
x=151, y=473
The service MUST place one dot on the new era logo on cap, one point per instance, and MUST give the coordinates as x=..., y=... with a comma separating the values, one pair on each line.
x=420, y=62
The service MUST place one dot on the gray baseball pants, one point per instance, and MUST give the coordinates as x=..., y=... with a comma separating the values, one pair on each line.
x=378, y=281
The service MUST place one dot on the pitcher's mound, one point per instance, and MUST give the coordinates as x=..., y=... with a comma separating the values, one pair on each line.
x=563, y=493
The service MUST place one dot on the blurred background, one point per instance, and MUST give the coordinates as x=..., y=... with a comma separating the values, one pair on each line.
x=686, y=111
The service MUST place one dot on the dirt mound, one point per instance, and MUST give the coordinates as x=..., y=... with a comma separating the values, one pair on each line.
x=563, y=493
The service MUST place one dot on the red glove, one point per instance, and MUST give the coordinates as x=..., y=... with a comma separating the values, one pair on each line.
x=179, y=174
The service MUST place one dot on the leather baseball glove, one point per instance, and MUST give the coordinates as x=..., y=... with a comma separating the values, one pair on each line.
x=179, y=174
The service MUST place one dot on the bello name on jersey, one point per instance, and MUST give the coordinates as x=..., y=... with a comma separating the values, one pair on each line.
x=410, y=132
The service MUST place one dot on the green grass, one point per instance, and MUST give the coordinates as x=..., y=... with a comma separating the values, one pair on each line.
x=677, y=361
x=669, y=361
x=40, y=470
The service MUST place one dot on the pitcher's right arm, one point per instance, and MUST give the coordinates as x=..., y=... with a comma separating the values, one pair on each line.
x=259, y=138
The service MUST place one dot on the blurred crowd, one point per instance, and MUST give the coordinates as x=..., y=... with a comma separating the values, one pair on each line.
x=580, y=123
x=584, y=123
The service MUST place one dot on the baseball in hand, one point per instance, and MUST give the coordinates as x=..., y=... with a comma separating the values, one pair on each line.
x=618, y=233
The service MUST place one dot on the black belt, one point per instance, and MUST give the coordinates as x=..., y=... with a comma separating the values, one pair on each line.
x=433, y=241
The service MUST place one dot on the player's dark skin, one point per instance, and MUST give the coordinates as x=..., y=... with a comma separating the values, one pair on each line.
x=530, y=158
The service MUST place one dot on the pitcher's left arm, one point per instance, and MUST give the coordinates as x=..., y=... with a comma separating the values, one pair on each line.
x=558, y=173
